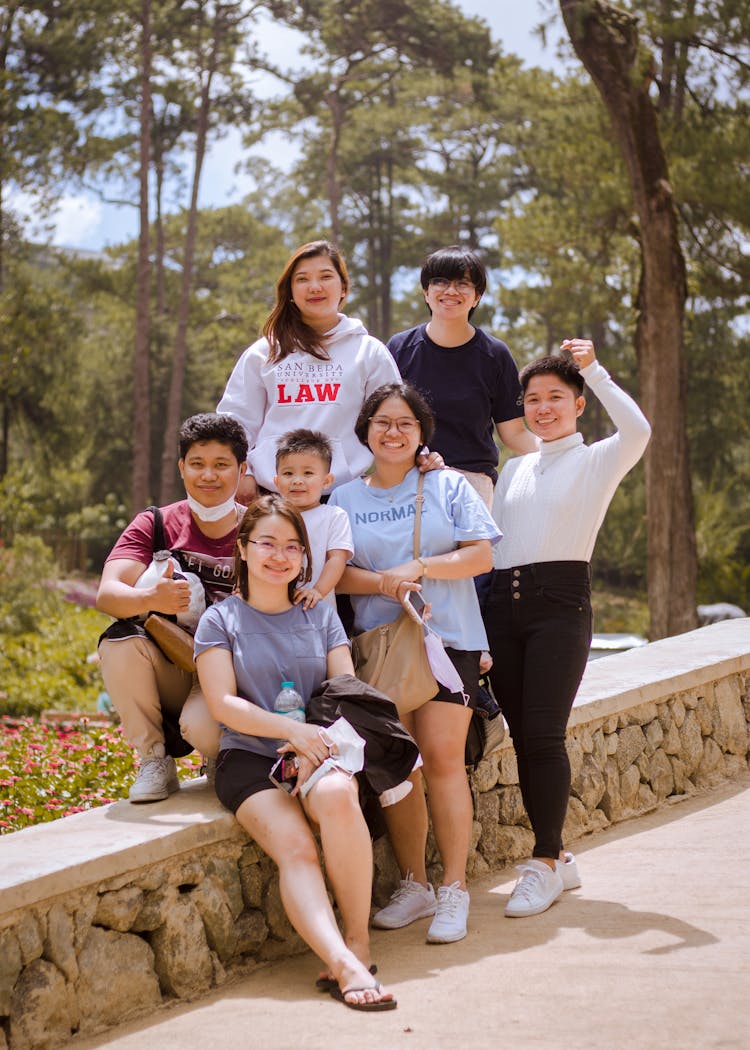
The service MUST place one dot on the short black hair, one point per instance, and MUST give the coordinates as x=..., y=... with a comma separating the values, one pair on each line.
x=559, y=365
x=302, y=440
x=407, y=393
x=213, y=426
x=454, y=263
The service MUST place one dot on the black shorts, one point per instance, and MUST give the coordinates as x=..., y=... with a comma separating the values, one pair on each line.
x=466, y=662
x=241, y=774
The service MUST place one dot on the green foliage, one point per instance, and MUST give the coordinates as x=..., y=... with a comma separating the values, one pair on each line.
x=44, y=640
x=27, y=575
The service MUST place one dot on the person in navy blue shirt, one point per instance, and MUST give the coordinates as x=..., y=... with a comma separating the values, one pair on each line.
x=469, y=378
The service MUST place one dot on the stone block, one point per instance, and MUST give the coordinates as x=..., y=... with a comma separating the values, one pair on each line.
x=511, y=809
x=252, y=932
x=212, y=903
x=630, y=744
x=83, y=915
x=585, y=736
x=671, y=744
x=227, y=870
x=645, y=799
x=117, y=979
x=507, y=766
x=30, y=937
x=43, y=1011
x=502, y=845
x=677, y=709
x=678, y=772
x=611, y=801
x=59, y=945
x=11, y=965
x=118, y=909
x=575, y=755
x=729, y=726
x=630, y=781
x=485, y=776
x=598, y=821
x=186, y=874
x=703, y=712
x=251, y=883
x=279, y=926
x=691, y=751
x=576, y=820
x=155, y=908
x=641, y=715
x=181, y=956
x=599, y=751
x=661, y=776
x=654, y=736
x=590, y=784
x=712, y=759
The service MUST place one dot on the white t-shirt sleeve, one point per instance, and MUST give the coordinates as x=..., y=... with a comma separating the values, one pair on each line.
x=339, y=531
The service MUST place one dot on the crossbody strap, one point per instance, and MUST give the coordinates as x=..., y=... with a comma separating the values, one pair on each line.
x=159, y=540
x=419, y=500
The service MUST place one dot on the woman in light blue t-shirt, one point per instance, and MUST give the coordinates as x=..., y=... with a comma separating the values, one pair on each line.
x=457, y=532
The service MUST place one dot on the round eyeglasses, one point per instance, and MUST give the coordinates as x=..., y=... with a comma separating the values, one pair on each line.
x=404, y=426
x=290, y=550
x=442, y=284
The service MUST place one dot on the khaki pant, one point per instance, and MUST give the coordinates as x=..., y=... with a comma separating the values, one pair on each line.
x=142, y=683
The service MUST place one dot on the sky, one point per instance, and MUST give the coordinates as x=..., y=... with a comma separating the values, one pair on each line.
x=84, y=221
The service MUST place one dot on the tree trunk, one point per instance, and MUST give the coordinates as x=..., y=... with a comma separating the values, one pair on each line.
x=141, y=386
x=606, y=41
x=179, y=359
x=332, y=162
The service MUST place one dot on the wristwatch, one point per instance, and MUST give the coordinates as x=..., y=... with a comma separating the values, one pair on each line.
x=423, y=563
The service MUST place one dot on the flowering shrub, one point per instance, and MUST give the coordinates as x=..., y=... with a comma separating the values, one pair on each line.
x=49, y=771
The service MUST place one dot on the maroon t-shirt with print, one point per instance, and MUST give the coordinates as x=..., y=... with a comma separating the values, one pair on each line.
x=212, y=560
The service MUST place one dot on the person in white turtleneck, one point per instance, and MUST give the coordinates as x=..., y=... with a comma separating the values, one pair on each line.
x=550, y=505
x=157, y=701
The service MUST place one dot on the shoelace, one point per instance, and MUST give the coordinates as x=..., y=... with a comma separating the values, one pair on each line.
x=449, y=899
x=527, y=883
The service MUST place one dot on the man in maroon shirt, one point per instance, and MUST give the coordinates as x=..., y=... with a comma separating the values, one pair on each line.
x=200, y=533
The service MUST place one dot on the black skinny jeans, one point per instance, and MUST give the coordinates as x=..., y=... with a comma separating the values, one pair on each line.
x=538, y=620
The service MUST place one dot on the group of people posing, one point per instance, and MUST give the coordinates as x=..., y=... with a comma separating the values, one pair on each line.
x=305, y=485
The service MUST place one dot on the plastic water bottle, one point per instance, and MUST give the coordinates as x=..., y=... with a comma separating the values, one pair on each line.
x=289, y=702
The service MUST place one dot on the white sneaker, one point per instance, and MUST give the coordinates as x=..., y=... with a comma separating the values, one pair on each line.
x=537, y=888
x=157, y=778
x=568, y=871
x=451, y=915
x=410, y=901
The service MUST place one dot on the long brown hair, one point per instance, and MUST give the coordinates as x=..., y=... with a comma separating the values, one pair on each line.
x=265, y=507
x=284, y=328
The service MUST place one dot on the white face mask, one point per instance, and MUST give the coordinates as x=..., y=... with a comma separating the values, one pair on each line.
x=209, y=514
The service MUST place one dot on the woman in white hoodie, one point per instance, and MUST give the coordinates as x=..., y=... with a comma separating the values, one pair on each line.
x=313, y=368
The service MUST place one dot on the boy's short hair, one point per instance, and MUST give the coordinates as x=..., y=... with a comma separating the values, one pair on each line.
x=302, y=440
x=213, y=426
x=563, y=367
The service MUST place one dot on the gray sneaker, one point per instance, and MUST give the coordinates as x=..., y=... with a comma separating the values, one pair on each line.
x=410, y=902
x=156, y=780
x=537, y=888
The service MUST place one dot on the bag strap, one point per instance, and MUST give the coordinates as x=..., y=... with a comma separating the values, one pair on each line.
x=419, y=500
x=160, y=538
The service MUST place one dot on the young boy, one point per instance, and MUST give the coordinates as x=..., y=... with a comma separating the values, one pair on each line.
x=303, y=465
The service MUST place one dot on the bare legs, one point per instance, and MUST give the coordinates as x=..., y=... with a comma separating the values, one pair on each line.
x=440, y=731
x=278, y=825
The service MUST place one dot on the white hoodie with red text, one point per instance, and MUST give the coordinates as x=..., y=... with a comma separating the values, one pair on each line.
x=302, y=391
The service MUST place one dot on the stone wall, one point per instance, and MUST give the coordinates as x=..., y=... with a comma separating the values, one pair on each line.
x=108, y=914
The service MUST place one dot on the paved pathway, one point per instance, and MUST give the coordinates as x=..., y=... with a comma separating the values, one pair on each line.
x=652, y=952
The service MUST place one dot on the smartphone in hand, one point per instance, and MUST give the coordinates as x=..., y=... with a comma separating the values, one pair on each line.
x=417, y=602
x=284, y=773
